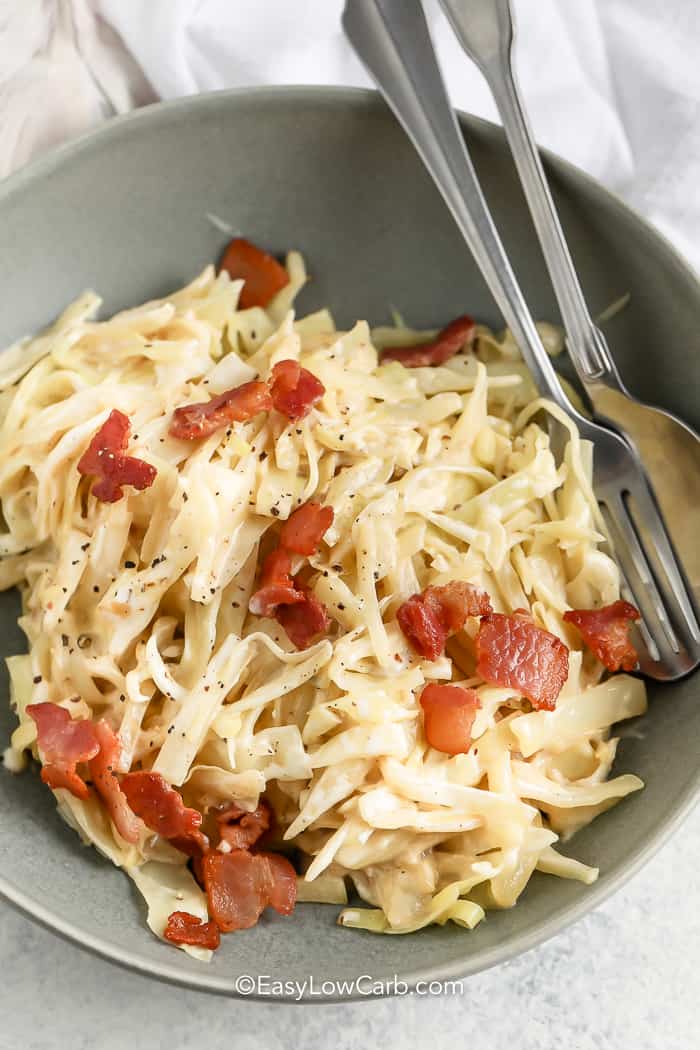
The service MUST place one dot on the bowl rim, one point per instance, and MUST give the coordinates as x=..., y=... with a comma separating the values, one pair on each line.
x=610, y=882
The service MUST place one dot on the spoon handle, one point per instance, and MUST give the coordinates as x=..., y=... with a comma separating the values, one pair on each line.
x=392, y=39
x=486, y=30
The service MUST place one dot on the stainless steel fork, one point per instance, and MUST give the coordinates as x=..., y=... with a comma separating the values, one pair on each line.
x=669, y=448
x=392, y=39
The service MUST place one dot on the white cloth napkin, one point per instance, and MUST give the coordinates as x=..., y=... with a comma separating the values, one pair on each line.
x=612, y=85
x=62, y=69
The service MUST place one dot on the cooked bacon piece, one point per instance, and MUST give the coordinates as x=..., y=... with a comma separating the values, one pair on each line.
x=190, y=422
x=513, y=652
x=105, y=459
x=241, y=829
x=430, y=618
x=605, y=632
x=103, y=770
x=293, y=606
x=239, y=886
x=59, y=776
x=183, y=928
x=455, y=601
x=161, y=808
x=294, y=389
x=305, y=528
x=283, y=894
x=422, y=628
x=195, y=846
x=448, y=716
x=64, y=742
x=264, y=277
x=448, y=342
x=303, y=621
x=276, y=585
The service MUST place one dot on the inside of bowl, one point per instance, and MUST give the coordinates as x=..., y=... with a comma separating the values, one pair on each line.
x=128, y=212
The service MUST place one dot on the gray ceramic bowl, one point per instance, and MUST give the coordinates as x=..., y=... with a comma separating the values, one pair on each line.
x=328, y=171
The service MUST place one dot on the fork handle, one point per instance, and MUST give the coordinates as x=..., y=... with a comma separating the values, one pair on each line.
x=587, y=346
x=392, y=39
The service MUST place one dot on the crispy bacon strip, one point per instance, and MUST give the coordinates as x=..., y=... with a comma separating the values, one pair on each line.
x=455, y=601
x=606, y=633
x=195, y=845
x=103, y=770
x=459, y=333
x=264, y=277
x=237, y=405
x=161, y=808
x=283, y=892
x=294, y=607
x=303, y=621
x=64, y=742
x=302, y=532
x=294, y=389
x=241, y=829
x=513, y=652
x=184, y=928
x=448, y=716
x=276, y=585
x=292, y=604
x=240, y=885
x=430, y=618
x=105, y=459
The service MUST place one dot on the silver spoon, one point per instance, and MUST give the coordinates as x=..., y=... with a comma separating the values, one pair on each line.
x=391, y=37
x=669, y=449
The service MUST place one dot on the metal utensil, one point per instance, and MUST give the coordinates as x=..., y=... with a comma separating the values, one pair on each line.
x=392, y=39
x=669, y=449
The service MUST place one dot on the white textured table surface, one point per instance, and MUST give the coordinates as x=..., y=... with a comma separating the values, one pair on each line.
x=627, y=977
